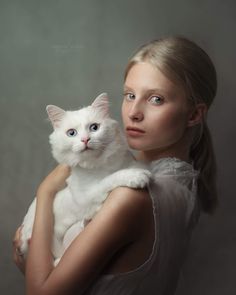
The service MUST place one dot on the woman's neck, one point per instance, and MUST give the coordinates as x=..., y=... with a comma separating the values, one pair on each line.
x=150, y=156
x=178, y=150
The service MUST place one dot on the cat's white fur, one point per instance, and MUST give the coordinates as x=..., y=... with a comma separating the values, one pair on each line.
x=105, y=164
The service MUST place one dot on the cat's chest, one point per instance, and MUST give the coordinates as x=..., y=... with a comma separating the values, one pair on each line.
x=84, y=181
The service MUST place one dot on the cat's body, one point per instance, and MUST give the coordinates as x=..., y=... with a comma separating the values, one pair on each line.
x=97, y=152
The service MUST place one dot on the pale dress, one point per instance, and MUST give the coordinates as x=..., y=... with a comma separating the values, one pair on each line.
x=175, y=211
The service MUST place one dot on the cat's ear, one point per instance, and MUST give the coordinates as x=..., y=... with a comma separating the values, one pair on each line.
x=55, y=114
x=102, y=103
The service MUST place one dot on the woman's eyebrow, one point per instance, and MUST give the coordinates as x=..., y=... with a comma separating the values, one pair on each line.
x=161, y=91
x=150, y=91
x=157, y=90
x=127, y=87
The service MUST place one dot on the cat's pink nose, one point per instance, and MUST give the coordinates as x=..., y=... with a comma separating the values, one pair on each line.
x=85, y=139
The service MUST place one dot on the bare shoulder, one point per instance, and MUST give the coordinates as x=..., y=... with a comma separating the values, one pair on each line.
x=127, y=205
x=125, y=197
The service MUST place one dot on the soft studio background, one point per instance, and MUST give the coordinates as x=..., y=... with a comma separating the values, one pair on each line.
x=66, y=53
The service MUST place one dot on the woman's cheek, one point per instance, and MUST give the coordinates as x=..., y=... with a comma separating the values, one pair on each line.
x=124, y=112
x=169, y=128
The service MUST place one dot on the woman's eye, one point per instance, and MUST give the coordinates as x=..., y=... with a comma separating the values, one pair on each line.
x=71, y=132
x=94, y=127
x=129, y=96
x=156, y=100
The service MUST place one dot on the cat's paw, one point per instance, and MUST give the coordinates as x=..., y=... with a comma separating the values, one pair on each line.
x=23, y=247
x=139, y=178
x=56, y=261
x=135, y=177
x=24, y=243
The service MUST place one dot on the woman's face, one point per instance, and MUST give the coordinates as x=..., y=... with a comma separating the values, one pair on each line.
x=155, y=110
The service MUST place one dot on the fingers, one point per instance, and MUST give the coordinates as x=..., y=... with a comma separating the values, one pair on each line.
x=18, y=256
x=19, y=261
x=64, y=168
x=16, y=240
x=55, y=181
x=61, y=172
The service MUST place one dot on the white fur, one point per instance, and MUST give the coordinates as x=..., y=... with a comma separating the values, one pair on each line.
x=95, y=172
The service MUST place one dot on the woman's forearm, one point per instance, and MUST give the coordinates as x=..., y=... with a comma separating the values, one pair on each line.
x=40, y=260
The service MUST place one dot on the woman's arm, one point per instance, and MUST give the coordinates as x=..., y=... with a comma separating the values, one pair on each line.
x=39, y=259
x=115, y=225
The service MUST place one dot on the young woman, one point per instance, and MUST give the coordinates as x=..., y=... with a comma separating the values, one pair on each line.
x=137, y=241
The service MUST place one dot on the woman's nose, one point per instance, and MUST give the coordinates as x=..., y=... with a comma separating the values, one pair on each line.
x=136, y=113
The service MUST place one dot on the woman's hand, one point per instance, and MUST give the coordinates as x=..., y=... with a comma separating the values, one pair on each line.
x=55, y=181
x=17, y=255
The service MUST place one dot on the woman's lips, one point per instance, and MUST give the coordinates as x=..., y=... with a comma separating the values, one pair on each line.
x=134, y=132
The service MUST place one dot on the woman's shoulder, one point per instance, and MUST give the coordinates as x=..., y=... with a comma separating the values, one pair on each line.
x=126, y=198
x=131, y=207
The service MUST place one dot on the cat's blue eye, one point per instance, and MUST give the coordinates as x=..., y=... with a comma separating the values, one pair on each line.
x=94, y=127
x=71, y=132
x=157, y=100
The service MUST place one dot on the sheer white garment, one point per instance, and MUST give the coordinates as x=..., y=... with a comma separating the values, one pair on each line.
x=175, y=211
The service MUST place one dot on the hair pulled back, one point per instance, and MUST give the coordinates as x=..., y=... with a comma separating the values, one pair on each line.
x=184, y=62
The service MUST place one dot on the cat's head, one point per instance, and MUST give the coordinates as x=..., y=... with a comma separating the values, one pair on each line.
x=85, y=137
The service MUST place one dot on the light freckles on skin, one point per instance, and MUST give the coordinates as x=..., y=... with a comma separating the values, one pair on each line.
x=164, y=123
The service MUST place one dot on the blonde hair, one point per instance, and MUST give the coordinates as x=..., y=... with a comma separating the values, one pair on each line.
x=184, y=62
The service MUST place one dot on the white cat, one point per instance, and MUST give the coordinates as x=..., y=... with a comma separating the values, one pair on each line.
x=91, y=143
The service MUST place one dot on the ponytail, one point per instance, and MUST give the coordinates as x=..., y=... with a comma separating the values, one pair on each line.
x=203, y=156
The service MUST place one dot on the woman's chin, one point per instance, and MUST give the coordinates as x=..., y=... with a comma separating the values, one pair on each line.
x=134, y=145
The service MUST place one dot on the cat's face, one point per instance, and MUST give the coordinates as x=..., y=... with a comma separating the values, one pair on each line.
x=81, y=136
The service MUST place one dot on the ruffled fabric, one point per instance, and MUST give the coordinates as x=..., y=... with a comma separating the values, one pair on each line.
x=179, y=170
x=183, y=173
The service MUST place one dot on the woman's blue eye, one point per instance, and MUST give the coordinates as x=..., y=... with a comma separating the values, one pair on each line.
x=94, y=127
x=129, y=96
x=156, y=100
x=71, y=132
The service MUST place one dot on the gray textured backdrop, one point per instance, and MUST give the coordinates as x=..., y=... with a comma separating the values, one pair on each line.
x=67, y=52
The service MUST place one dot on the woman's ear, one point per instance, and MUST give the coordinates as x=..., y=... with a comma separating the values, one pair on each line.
x=197, y=115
